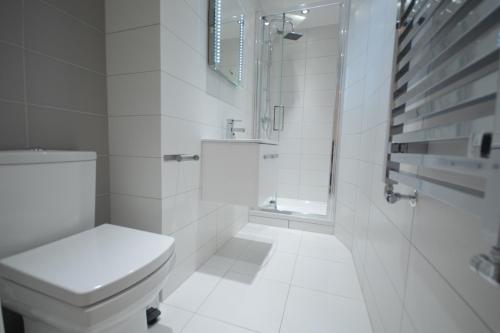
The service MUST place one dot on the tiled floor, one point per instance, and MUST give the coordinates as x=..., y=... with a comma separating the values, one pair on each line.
x=270, y=280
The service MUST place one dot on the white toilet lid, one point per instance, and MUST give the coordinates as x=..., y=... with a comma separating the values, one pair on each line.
x=91, y=266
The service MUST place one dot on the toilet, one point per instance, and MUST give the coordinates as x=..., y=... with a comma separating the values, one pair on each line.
x=62, y=274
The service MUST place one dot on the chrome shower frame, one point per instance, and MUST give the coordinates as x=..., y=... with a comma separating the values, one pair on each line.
x=343, y=27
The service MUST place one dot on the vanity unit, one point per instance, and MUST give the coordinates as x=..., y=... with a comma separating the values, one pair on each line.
x=241, y=172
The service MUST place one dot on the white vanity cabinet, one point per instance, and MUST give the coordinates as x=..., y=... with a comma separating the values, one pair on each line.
x=242, y=172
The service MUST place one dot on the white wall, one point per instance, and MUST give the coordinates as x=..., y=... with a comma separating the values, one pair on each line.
x=163, y=99
x=413, y=263
x=308, y=92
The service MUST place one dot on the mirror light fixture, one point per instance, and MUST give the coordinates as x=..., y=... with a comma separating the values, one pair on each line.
x=242, y=41
x=218, y=27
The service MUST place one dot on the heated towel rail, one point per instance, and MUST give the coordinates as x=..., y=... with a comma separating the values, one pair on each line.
x=444, y=138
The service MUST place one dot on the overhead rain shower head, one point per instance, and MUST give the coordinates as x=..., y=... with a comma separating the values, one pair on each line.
x=292, y=35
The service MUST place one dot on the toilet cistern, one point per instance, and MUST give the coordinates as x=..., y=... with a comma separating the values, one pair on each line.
x=231, y=130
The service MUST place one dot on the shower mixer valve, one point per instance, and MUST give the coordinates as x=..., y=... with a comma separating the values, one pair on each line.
x=393, y=197
x=231, y=130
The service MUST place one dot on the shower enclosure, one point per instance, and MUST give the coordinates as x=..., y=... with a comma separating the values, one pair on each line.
x=298, y=61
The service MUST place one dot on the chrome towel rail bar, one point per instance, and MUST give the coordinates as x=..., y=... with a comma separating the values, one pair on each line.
x=181, y=157
x=445, y=118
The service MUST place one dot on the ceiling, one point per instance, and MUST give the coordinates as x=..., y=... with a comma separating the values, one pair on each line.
x=269, y=6
x=323, y=15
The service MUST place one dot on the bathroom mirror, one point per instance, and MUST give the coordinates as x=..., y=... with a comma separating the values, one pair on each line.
x=226, y=38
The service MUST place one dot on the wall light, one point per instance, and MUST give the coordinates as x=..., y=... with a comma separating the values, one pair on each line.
x=242, y=42
x=218, y=28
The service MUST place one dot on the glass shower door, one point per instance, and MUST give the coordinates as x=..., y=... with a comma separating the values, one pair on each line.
x=269, y=90
x=296, y=103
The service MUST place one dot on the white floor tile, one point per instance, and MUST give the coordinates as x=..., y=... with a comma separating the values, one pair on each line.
x=191, y=294
x=278, y=266
x=200, y=324
x=327, y=276
x=316, y=312
x=172, y=320
x=220, y=263
x=233, y=248
x=245, y=287
x=283, y=240
x=256, y=304
x=324, y=247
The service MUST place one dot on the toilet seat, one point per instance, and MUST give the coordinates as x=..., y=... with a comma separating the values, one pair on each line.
x=90, y=281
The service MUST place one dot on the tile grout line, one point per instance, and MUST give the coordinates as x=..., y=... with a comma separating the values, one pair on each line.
x=178, y=308
x=139, y=27
x=223, y=275
x=25, y=89
x=217, y=284
x=291, y=281
x=224, y=322
x=64, y=12
x=62, y=61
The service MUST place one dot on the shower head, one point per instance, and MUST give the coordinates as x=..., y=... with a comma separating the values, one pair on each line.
x=292, y=35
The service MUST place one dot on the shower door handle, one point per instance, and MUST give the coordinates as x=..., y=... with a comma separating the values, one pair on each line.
x=279, y=118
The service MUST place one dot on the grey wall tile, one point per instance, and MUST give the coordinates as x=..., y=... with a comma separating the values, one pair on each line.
x=102, y=181
x=50, y=82
x=12, y=126
x=89, y=11
x=55, y=129
x=51, y=32
x=11, y=72
x=102, y=209
x=11, y=21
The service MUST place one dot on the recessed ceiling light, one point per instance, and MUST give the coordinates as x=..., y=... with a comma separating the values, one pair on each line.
x=266, y=23
x=305, y=11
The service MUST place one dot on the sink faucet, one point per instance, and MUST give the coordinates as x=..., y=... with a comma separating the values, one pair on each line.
x=231, y=130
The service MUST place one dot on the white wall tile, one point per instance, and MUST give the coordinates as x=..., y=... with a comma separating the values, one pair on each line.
x=134, y=94
x=322, y=48
x=318, y=114
x=127, y=14
x=314, y=178
x=448, y=239
x=289, y=176
x=322, y=32
x=313, y=193
x=287, y=161
x=170, y=102
x=175, y=14
x=407, y=325
x=321, y=65
x=348, y=170
x=344, y=236
x=136, y=212
x=135, y=136
x=135, y=176
x=317, y=131
x=133, y=51
x=392, y=248
x=345, y=217
x=432, y=305
x=315, y=146
x=314, y=162
x=321, y=81
x=182, y=61
x=388, y=302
